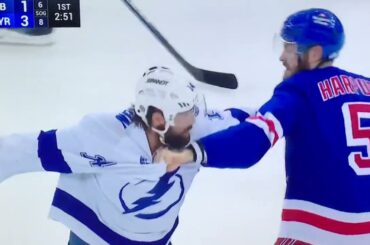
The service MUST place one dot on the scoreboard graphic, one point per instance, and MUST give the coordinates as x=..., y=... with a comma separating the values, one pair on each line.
x=39, y=13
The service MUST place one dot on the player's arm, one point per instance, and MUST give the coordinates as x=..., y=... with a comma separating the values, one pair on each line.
x=243, y=145
x=215, y=120
x=85, y=148
x=62, y=151
x=42, y=151
x=18, y=154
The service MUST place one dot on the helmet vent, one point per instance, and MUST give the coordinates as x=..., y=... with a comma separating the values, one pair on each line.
x=174, y=96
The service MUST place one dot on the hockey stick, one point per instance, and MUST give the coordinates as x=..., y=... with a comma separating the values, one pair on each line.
x=225, y=80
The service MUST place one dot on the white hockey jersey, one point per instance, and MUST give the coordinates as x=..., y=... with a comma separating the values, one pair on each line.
x=110, y=191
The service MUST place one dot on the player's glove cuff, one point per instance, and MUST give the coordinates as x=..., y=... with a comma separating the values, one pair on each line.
x=199, y=155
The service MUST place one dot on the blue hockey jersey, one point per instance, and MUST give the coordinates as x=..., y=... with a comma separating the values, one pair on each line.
x=324, y=115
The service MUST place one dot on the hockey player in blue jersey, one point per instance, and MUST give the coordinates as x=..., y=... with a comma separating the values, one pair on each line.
x=324, y=114
x=110, y=191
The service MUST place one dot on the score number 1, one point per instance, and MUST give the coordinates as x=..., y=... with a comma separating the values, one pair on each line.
x=23, y=13
x=24, y=18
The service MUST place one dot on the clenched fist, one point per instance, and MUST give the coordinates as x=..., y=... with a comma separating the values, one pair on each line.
x=173, y=159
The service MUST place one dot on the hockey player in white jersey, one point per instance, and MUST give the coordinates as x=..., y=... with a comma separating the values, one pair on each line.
x=110, y=190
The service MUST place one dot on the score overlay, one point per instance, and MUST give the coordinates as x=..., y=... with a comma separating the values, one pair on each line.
x=39, y=13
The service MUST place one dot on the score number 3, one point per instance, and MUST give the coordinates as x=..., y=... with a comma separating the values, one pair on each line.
x=358, y=135
x=24, y=18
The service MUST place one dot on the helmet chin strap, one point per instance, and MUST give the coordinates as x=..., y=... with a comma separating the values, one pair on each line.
x=161, y=133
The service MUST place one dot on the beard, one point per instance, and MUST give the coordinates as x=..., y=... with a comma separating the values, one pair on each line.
x=174, y=141
x=302, y=65
x=288, y=73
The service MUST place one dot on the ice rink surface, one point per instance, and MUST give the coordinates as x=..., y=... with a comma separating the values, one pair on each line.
x=94, y=68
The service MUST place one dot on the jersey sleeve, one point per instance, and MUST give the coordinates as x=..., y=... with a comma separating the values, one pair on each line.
x=215, y=120
x=18, y=154
x=62, y=151
x=243, y=145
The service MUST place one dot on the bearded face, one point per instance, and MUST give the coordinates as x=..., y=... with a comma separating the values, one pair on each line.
x=178, y=136
x=292, y=61
x=175, y=140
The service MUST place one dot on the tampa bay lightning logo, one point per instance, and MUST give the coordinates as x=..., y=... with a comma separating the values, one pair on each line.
x=167, y=192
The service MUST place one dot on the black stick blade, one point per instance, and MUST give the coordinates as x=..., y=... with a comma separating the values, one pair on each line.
x=220, y=79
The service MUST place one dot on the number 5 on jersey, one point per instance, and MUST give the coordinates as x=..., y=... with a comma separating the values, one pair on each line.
x=357, y=126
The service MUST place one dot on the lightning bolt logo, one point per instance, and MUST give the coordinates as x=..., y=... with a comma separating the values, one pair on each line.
x=158, y=192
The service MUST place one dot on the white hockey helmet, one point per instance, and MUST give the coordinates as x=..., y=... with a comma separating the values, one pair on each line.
x=160, y=88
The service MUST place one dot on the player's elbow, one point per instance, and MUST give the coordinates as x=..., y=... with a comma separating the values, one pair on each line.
x=249, y=159
x=250, y=154
x=255, y=158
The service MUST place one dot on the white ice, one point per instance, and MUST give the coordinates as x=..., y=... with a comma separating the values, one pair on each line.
x=94, y=68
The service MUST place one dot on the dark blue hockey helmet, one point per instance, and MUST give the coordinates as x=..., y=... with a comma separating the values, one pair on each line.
x=315, y=26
